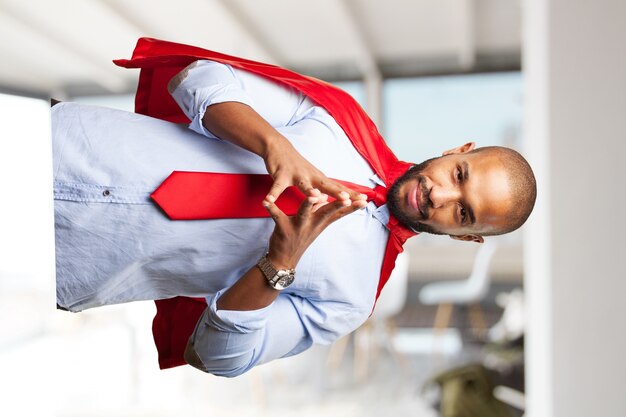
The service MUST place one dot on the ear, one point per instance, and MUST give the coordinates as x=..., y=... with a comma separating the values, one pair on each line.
x=469, y=238
x=469, y=146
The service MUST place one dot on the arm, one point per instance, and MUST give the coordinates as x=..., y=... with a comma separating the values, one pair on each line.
x=222, y=108
x=230, y=342
x=291, y=237
x=291, y=325
x=234, y=333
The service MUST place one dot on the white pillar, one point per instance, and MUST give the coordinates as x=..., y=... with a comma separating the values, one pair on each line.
x=575, y=248
x=373, y=95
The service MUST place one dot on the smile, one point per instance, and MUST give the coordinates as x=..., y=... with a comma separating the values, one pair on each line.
x=413, y=197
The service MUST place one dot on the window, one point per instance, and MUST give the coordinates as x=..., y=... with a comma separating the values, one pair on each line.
x=427, y=115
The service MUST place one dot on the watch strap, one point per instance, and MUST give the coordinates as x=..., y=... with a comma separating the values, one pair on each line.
x=271, y=273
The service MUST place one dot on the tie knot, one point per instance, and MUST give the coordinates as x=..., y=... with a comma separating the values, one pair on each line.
x=379, y=196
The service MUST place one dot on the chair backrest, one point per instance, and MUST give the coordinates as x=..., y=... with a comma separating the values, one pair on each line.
x=480, y=278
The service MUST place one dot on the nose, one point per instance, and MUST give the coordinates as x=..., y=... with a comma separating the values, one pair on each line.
x=441, y=196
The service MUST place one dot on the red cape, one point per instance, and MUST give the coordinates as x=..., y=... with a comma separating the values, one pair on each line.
x=159, y=62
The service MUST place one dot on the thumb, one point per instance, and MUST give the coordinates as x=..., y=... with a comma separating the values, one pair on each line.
x=275, y=212
x=276, y=190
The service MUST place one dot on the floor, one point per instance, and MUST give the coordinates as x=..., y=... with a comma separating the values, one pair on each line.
x=102, y=363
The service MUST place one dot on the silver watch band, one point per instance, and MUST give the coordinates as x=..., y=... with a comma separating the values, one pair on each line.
x=277, y=278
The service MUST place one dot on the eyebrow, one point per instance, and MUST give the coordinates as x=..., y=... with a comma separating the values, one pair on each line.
x=470, y=212
x=465, y=170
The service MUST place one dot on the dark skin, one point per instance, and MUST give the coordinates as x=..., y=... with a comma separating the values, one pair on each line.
x=241, y=125
x=448, y=190
x=462, y=194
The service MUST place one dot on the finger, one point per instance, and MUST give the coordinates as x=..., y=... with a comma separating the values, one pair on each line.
x=276, y=190
x=342, y=212
x=275, y=213
x=327, y=210
x=306, y=208
x=319, y=205
x=340, y=191
x=322, y=201
x=333, y=213
x=305, y=186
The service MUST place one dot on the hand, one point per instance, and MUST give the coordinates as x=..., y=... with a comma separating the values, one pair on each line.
x=288, y=167
x=293, y=235
x=241, y=125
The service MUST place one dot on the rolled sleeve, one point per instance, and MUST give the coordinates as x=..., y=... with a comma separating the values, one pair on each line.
x=203, y=84
x=225, y=342
x=236, y=321
x=229, y=343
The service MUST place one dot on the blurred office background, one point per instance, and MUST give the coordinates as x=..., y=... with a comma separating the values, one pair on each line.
x=540, y=310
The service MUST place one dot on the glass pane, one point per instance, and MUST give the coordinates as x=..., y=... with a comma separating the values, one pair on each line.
x=425, y=116
x=355, y=89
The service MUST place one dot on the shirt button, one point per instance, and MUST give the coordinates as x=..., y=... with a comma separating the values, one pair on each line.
x=106, y=193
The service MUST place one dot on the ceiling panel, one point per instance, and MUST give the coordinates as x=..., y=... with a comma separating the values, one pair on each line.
x=304, y=33
x=198, y=22
x=85, y=30
x=411, y=28
x=56, y=45
x=33, y=62
x=498, y=25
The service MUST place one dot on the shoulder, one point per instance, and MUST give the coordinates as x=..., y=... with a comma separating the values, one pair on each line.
x=178, y=78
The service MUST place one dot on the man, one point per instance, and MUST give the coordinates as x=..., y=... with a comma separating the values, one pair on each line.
x=114, y=245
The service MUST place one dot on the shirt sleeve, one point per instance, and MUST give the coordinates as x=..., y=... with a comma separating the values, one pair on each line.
x=229, y=343
x=204, y=83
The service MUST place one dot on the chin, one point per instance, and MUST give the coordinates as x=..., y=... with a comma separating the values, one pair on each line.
x=401, y=212
x=397, y=200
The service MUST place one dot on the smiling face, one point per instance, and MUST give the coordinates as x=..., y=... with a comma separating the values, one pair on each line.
x=461, y=194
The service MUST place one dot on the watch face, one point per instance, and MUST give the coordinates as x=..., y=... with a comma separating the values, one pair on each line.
x=285, y=278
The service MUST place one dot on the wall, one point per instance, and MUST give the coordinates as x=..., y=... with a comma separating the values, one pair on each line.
x=575, y=69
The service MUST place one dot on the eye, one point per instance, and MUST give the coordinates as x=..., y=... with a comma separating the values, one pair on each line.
x=463, y=214
x=459, y=174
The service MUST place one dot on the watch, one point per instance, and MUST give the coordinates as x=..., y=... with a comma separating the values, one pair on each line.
x=279, y=279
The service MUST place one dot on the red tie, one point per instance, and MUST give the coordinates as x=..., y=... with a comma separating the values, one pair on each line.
x=208, y=195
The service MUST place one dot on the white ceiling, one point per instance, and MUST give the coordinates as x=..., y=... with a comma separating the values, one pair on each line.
x=63, y=47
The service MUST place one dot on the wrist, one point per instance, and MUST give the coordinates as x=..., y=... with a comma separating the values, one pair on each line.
x=277, y=278
x=273, y=144
x=281, y=262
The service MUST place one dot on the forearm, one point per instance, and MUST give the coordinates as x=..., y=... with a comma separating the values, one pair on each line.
x=240, y=124
x=218, y=106
x=250, y=292
x=230, y=343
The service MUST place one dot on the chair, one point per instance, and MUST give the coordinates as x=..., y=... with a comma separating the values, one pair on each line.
x=467, y=292
x=379, y=330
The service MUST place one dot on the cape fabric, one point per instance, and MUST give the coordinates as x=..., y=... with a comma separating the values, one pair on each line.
x=159, y=61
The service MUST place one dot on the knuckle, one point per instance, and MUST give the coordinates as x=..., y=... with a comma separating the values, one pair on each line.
x=327, y=216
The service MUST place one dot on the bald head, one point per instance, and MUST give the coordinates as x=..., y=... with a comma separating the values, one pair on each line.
x=467, y=193
x=522, y=186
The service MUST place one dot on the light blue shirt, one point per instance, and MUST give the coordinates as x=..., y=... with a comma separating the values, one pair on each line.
x=113, y=245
